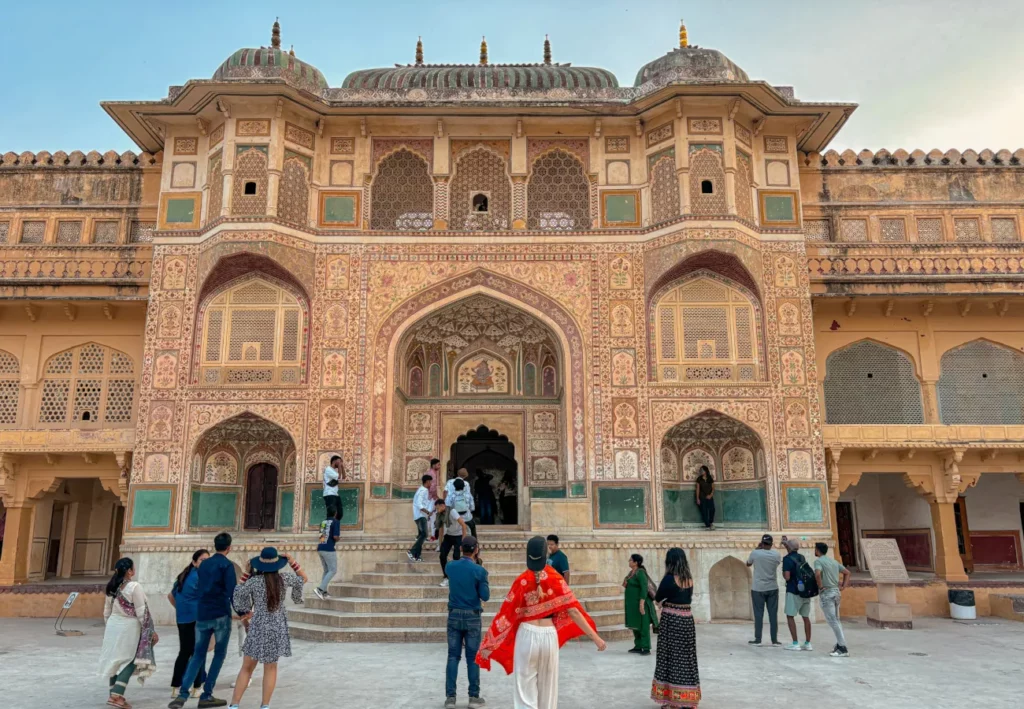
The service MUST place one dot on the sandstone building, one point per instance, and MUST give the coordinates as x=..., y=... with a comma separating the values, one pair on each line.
x=582, y=289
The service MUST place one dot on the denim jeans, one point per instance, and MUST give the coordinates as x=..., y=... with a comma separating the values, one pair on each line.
x=463, y=629
x=707, y=511
x=421, y=536
x=220, y=629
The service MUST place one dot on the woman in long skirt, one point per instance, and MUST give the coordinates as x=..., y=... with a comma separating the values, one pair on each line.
x=676, y=680
x=260, y=601
x=640, y=614
x=539, y=615
x=129, y=635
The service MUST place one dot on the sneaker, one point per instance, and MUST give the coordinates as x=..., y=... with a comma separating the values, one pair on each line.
x=807, y=646
x=711, y=527
x=411, y=557
x=477, y=702
x=776, y=643
x=418, y=561
x=212, y=702
x=320, y=594
x=444, y=583
x=754, y=642
x=840, y=651
x=449, y=703
x=176, y=703
x=794, y=646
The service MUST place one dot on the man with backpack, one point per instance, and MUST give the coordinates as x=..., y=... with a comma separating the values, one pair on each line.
x=801, y=587
x=460, y=498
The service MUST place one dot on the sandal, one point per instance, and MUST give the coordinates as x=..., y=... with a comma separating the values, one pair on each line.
x=116, y=700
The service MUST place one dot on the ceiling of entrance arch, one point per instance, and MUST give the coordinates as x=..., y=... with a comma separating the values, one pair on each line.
x=462, y=323
x=247, y=428
x=713, y=430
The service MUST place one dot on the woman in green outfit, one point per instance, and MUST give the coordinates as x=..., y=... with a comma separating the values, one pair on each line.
x=640, y=612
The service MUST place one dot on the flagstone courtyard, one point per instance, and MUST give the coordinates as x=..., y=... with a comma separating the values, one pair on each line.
x=941, y=663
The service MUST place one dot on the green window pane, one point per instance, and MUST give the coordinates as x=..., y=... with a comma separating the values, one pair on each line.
x=621, y=505
x=779, y=208
x=151, y=508
x=547, y=493
x=317, y=510
x=181, y=210
x=680, y=508
x=213, y=509
x=286, y=510
x=578, y=489
x=742, y=506
x=619, y=208
x=339, y=210
x=804, y=505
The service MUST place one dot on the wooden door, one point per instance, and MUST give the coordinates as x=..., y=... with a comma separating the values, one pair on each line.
x=845, y=534
x=261, y=497
x=963, y=535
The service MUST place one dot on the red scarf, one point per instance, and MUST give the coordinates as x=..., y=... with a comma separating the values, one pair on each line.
x=525, y=602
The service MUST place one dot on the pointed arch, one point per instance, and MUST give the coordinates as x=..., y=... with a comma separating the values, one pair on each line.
x=402, y=193
x=480, y=170
x=871, y=382
x=87, y=386
x=558, y=193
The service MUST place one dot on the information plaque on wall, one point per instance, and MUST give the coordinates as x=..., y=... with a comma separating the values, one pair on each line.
x=884, y=561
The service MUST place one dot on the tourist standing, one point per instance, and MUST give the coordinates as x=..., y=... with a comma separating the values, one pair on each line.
x=484, y=495
x=557, y=559
x=705, y=492
x=328, y=557
x=832, y=578
x=640, y=612
x=676, y=678
x=129, y=635
x=213, y=620
x=795, y=603
x=184, y=597
x=422, y=510
x=435, y=481
x=468, y=590
x=539, y=615
x=260, y=600
x=333, y=474
x=764, y=591
x=461, y=498
x=450, y=530
x=508, y=498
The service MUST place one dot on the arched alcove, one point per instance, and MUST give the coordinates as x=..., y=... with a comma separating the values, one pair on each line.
x=729, y=590
x=981, y=383
x=868, y=382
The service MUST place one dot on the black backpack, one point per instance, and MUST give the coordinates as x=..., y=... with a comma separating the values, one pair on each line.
x=806, y=582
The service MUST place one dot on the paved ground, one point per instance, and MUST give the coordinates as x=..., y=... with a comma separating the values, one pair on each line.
x=941, y=663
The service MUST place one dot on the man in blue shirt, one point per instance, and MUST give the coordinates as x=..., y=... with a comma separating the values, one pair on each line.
x=213, y=620
x=468, y=590
x=795, y=603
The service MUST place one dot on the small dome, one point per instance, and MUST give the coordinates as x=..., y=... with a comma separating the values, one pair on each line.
x=690, y=64
x=477, y=76
x=271, y=63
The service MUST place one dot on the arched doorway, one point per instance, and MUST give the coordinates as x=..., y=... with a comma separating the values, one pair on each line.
x=493, y=474
x=243, y=477
x=733, y=452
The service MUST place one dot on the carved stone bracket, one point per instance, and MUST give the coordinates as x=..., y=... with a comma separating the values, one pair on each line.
x=832, y=456
x=124, y=464
x=8, y=469
x=951, y=477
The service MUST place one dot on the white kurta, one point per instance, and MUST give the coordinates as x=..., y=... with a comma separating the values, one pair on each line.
x=121, y=636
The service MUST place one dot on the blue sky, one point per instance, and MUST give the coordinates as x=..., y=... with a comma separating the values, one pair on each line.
x=927, y=73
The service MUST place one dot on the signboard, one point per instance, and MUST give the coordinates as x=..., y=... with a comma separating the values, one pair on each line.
x=71, y=600
x=884, y=561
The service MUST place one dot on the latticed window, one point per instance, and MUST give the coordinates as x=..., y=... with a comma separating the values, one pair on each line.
x=252, y=334
x=981, y=383
x=5, y=228
x=707, y=180
x=558, y=194
x=105, y=232
x=481, y=193
x=402, y=194
x=33, y=232
x=293, y=192
x=966, y=229
x=249, y=187
x=705, y=330
x=664, y=187
x=142, y=232
x=10, y=388
x=88, y=386
x=69, y=232
x=929, y=229
x=871, y=383
x=1004, y=229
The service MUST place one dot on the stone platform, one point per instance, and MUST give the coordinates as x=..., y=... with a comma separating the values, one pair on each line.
x=401, y=601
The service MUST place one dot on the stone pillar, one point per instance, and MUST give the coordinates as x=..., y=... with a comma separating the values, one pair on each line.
x=67, y=540
x=948, y=564
x=931, y=401
x=17, y=544
x=441, y=203
x=273, y=190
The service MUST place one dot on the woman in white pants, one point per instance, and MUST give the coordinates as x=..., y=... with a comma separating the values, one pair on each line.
x=539, y=615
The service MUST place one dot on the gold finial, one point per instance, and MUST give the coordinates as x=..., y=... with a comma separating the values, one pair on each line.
x=291, y=51
x=419, y=51
x=547, y=50
x=683, y=40
x=483, y=51
x=275, y=35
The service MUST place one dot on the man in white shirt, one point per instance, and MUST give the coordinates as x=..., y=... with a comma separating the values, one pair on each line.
x=422, y=507
x=467, y=503
x=333, y=474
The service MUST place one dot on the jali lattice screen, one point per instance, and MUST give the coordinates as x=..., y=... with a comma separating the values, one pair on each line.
x=871, y=383
x=981, y=383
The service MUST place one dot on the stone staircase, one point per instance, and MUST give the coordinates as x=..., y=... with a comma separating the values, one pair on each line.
x=400, y=602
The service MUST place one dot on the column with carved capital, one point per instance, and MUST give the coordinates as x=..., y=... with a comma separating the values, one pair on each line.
x=832, y=456
x=17, y=543
x=519, y=202
x=440, y=202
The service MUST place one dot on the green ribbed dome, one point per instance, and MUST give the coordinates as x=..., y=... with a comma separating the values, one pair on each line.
x=271, y=63
x=482, y=76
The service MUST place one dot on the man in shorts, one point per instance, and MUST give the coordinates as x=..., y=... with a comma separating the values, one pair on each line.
x=795, y=604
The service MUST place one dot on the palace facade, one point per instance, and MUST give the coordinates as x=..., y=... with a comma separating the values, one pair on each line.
x=578, y=290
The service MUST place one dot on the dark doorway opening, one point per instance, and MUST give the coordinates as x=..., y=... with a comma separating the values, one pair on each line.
x=845, y=534
x=493, y=474
x=261, y=497
x=54, y=546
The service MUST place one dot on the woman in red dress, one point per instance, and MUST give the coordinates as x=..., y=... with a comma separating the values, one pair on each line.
x=539, y=615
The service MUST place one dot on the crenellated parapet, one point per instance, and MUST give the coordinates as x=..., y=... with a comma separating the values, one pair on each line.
x=77, y=158
x=916, y=158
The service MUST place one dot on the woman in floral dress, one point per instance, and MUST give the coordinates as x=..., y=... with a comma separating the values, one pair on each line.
x=260, y=601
